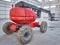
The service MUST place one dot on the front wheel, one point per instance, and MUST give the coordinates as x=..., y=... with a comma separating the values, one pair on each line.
x=43, y=27
x=6, y=29
x=25, y=35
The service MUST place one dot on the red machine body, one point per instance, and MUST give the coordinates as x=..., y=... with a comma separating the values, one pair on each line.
x=22, y=15
x=24, y=20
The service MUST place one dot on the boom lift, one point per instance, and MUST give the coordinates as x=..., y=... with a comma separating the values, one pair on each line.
x=24, y=20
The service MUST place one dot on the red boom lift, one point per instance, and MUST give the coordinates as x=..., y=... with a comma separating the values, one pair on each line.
x=23, y=21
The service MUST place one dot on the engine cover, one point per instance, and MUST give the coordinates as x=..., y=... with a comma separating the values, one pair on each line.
x=22, y=15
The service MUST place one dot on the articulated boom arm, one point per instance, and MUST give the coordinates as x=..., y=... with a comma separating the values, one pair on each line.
x=35, y=8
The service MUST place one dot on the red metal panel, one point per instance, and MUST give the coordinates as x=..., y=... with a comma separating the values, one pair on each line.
x=13, y=27
x=18, y=20
x=29, y=12
x=22, y=15
x=17, y=12
x=29, y=19
x=34, y=24
x=30, y=15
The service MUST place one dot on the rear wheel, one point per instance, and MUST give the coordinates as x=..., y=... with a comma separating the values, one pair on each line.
x=25, y=35
x=43, y=27
x=6, y=29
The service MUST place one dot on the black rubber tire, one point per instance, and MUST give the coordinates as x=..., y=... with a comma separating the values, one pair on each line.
x=6, y=29
x=25, y=35
x=43, y=27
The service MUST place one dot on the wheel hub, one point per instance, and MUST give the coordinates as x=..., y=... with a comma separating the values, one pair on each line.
x=26, y=35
